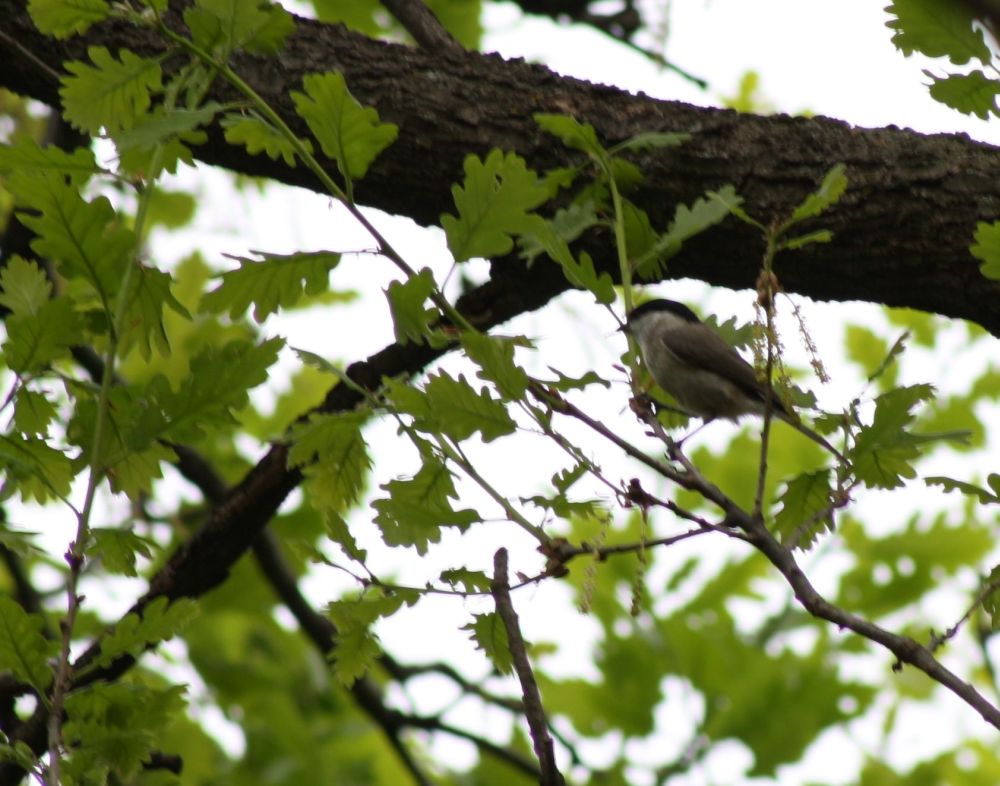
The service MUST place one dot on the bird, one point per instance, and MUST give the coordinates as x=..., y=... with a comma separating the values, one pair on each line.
x=696, y=366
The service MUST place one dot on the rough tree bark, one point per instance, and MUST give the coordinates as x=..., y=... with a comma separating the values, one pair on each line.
x=901, y=232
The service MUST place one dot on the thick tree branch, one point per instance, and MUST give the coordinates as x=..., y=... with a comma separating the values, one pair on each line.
x=901, y=233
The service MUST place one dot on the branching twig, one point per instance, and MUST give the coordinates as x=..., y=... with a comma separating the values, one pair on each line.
x=904, y=648
x=988, y=589
x=533, y=710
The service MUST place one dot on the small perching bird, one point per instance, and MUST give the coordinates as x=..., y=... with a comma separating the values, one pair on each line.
x=697, y=367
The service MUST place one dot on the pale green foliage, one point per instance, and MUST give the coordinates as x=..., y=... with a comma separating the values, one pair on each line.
x=112, y=93
x=205, y=400
x=829, y=192
x=161, y=126
x=78, y=165
x=350, y=134
x=805, y=510
x=358, y=645
x=224, y=26
x=257, y=136
x=159, y=621
x=490, y=636
x=461, y=18
x=495, y=358
x=84, y=238
x=493, y=203
x=119, y=549
x=884, y=452
x=417, y=507
x=452, y=407
x=333, y=454
x=39, y=330
x=687, y=222
x=946, y=29
x=989, y=496
x=579, y=271
x=149, y=295
x=272, y=282
x=987, y=249
x=114, y=727
x=411, y=320
x=24, y=651
x=34, y=469
x=64, y=18
x=33, y=412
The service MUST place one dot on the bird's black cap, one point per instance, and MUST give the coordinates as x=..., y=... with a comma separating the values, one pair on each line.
x=672, y=306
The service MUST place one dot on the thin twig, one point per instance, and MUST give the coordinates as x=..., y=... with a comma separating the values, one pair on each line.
x=420, y=22
x=534, y=712
x=988, y=589
x=906, y=649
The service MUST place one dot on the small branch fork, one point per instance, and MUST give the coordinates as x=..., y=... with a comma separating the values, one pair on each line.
x=533, y=709
x=743, y=524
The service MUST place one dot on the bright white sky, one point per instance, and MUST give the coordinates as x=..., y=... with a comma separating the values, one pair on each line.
x=831, y=58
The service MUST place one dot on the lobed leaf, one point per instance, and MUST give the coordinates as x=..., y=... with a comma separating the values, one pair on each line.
x=160, y=620
x=356, y=646
x=937, y=29
x=118, y=549
x=274, y=281
x=218, y=383
x=971, y=94
x=495, y=357
x=883, y=451
x=332, y=453
x=161, y=125
x=580, y=273
x=347, y=132
x=65, y=18
x=494, y=203
x=411, y=322
x=85, y=239
x=471, y=581
x=257, y=135
x=991, y=601
x=114, y=728
x=24, y=651
x=798, y=522
x=829, y=192
x=111, y=94
x=572, y=133
x=417, y=508
x=705, y=212
x=490, y=636
x=150, y=294
x=452, y=407
x=24, y=287
x=985, y=496
x=34, y=469
x=33, y=412
x=987, y=249
x=26, y=154
x=225, y=26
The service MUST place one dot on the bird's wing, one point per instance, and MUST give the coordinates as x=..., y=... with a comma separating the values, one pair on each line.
x=714, y=354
